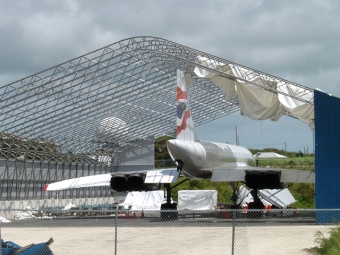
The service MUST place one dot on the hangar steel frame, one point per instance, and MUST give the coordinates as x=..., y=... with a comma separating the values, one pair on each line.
x=97, y=105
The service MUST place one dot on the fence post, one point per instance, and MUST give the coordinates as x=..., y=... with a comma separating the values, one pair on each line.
x=0, y=240
x=116, y=223
x=233, y=234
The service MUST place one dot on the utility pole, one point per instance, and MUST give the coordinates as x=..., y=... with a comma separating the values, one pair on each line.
x=237, y=141
x=285, y=149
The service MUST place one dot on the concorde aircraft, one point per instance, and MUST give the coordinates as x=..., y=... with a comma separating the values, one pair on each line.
x=195, y=159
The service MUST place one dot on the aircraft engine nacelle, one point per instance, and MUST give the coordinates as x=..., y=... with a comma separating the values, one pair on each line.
x=263, y=180
x=131, y=182
x=118, y=182
x=135, y=181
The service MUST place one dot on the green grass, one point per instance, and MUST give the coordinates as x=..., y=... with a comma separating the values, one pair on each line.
x=306, y=163
x=303, y=193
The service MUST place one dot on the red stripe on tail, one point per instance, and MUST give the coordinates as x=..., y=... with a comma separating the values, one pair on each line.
x=181, y=94
x=184, y=122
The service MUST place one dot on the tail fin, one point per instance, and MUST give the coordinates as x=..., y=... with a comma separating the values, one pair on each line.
x=185, y=126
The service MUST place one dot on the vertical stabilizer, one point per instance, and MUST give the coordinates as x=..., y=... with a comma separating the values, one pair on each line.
x=185, y=129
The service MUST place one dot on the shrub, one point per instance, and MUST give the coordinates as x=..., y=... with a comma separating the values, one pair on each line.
x=330, y=245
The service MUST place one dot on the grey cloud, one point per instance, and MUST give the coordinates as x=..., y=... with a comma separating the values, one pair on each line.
x=294, y=40
x=288, y=39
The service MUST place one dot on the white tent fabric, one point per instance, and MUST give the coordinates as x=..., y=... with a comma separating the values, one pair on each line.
x=147, y=201
x=21, y=215
x=305, y=112
x=4, y=220
x=212, y=64
x=256, y=102
x=197, y=199
x=226, y=85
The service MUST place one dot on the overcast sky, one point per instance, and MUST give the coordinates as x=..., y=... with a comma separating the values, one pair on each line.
x=294, y=40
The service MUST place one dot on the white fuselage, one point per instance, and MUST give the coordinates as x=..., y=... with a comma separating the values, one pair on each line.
x=201, y=158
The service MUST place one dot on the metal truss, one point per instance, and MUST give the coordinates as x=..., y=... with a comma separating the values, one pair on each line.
x=97, y=104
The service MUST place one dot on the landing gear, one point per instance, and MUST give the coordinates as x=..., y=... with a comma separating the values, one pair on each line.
x=179, y=164
x=257, y=204
x=166, y=208
x=235, y=195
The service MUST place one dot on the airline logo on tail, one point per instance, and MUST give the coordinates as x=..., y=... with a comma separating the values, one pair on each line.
x=185, y=129
x=183, y=111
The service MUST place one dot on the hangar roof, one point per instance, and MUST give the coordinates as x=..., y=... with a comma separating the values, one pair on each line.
x=268, y=155
x=125, y=91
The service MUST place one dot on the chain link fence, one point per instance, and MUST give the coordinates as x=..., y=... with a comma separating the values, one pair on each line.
x=113, y=230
